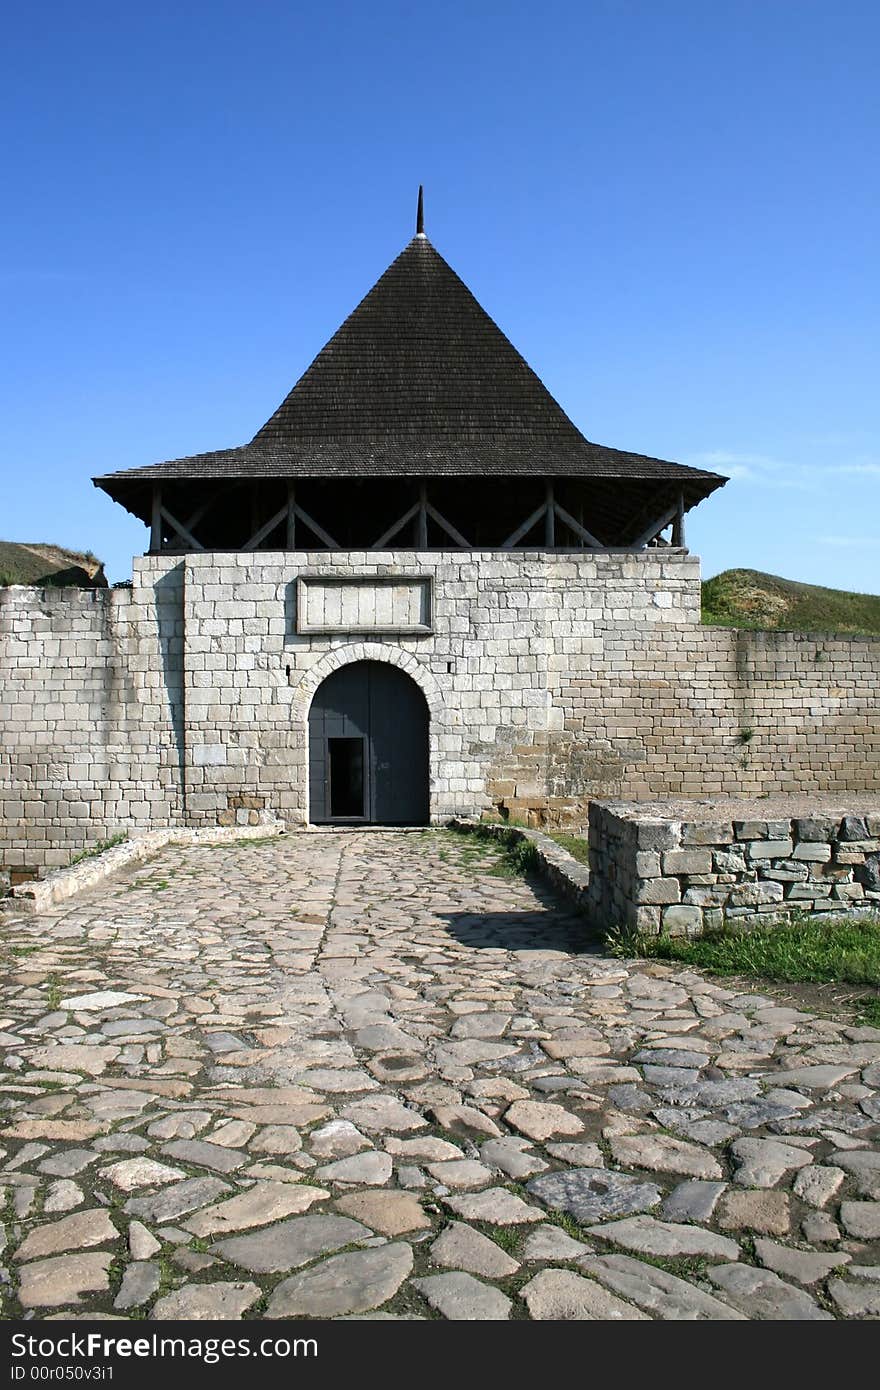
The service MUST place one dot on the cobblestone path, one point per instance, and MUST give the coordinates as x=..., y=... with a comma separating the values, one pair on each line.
x=363, y=1074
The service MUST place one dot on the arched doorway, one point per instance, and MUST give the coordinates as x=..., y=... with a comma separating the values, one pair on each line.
x=368, y=748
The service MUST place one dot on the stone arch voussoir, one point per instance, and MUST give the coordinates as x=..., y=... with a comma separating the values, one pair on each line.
x=369, y=651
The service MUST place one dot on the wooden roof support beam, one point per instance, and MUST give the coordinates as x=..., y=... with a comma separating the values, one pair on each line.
x=656, y=527
x=393, y=530
x=313, y=526
x=156, y=520
x=422, y=519
x=202, y=511
x=527, y=525
x=269, y=527
x=181, y=530
x=678, y=523
x=447, y=527
x=636, y=523
x=290, y=538
x=579, y=530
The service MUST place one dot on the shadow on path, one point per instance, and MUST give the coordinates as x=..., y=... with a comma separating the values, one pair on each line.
x=524, y=931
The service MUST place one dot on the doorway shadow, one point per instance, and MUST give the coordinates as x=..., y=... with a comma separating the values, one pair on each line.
x=548, y=930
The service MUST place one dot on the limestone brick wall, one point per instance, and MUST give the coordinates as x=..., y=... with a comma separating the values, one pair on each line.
x=688, y=710
x=684, y=868
x=550, y=679
x=91, y=719
x=492, y=647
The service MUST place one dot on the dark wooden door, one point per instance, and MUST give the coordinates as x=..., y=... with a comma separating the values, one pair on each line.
x=368, y=748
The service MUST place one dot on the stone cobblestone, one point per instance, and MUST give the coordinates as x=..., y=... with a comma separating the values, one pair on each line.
x=354, y=1074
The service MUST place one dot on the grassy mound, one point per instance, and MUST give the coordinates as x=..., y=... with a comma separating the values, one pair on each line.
x=42, y=564
x=748, y=598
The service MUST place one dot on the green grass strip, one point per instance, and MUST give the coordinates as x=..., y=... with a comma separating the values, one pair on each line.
x=837, y=951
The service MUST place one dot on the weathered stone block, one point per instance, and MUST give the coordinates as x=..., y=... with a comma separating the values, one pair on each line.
x=729, y=861
x=658, y=890
x=657, y=835
x=770, y=849
x=762, y=829
x=720, y=833
x=647, y=920
x=847, y=892
x=647, y=864
x=752, y=894
x=846, y=854
x=868, y=874
x=681, y=920
x=817, y=851
x=853, y=828
x=687, y=861
x=815, y=828
x=786, y=871
x=707, y=896
x=811, y=890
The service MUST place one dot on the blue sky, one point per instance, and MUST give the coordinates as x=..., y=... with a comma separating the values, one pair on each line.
x=670, y=207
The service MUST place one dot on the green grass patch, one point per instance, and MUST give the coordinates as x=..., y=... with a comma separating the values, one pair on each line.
x=99, y=848
x=509, y=1238
x=513, y=856
x=44, y=564
x=575, y=844
x=565, y=1223
x=869, y=1010
x=838, y=950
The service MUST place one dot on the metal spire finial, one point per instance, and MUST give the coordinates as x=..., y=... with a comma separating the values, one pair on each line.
x=420, y=214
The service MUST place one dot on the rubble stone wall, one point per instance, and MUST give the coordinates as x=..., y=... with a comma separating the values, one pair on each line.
x=684, y=868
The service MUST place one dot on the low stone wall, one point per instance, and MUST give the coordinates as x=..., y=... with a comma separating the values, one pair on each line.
x=40, y=894
x=569, y=877
x=684, y=867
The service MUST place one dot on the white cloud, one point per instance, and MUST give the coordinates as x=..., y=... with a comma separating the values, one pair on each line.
x=762, y=469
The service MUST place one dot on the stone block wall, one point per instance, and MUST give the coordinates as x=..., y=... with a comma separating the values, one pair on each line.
x=681, y=868
x=551, y=679
x=691, y=711
x=91, y=715
x=489, y=650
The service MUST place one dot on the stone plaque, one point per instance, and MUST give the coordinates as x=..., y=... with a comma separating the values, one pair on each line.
x=369, y=603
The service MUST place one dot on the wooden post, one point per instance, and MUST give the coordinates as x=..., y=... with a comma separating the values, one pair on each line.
x=549, y=517
x=156, y=521
x=678, y=523
x=422, y=522
x=291, y=516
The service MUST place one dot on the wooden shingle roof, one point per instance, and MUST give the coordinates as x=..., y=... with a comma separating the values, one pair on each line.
x=418, y=382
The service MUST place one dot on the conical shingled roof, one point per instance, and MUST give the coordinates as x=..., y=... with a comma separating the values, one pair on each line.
x=418, y=382
x=419, y=359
